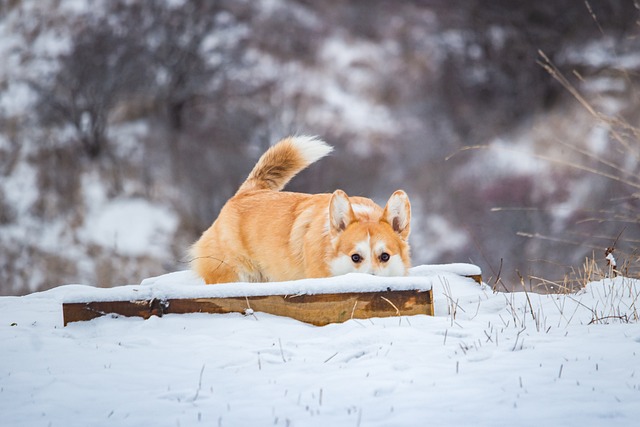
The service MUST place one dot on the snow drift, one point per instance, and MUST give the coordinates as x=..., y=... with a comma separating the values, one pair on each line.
x=485, y=358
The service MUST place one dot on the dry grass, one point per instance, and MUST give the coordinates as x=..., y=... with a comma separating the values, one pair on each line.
x=626, y=139
x=620, y=165
x=576, y=279
x=618, y=303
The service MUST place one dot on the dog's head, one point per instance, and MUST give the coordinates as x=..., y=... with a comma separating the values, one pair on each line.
x=368, y=239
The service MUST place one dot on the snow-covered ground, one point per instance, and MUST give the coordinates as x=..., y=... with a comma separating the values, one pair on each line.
x=484, y=359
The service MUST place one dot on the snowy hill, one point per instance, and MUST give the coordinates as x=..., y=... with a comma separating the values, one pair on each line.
x=485, y=359
x=125, y=126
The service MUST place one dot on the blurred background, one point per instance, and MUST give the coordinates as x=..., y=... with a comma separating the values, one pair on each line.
x=126, y=125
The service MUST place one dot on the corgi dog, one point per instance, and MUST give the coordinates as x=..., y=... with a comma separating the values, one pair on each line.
x=263, y=234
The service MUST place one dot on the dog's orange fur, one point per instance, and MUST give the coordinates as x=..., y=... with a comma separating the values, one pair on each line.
x=263, y=234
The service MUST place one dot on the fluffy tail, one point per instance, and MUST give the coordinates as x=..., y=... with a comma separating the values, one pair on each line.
x=283, y=161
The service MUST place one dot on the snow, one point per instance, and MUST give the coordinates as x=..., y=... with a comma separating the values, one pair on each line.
x=484, y=359
x=460, y=269
x=132, y=227
x=504, y=156
x=438, y=228
x=185, y=284
x=607, y=52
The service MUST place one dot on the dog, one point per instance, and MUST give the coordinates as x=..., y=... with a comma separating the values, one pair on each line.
x=263, y=234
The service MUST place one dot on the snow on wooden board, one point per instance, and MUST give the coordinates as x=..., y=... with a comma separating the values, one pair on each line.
x=185, y=284
x=316, y=301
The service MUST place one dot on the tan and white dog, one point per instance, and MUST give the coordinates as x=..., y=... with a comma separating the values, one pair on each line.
x=263, y=234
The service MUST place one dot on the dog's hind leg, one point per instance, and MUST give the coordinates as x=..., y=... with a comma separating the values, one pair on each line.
x=215, y=270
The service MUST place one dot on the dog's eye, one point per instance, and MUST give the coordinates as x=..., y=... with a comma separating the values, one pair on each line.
x=356, y=258
x=384, y=257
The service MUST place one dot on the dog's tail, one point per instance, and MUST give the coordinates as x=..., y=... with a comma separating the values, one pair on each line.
x=283, y=161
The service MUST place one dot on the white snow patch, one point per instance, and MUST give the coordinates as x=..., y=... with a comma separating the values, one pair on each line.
x=598, y=140
x=133, y=227
x=484, y=359
x=502, y=156
x=604, y=53
x=186, y=284
x=16, y=99
x=460, y=268
x=20, y=188
x=441, y=236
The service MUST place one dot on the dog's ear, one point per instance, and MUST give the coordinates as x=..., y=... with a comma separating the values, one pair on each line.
x=397, y=213
x=340, y=212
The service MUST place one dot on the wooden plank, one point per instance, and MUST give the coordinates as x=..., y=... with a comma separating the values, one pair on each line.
x=74, y=312
x=319, y=310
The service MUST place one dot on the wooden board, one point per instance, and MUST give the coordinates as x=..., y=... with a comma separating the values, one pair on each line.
x=319, y=310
